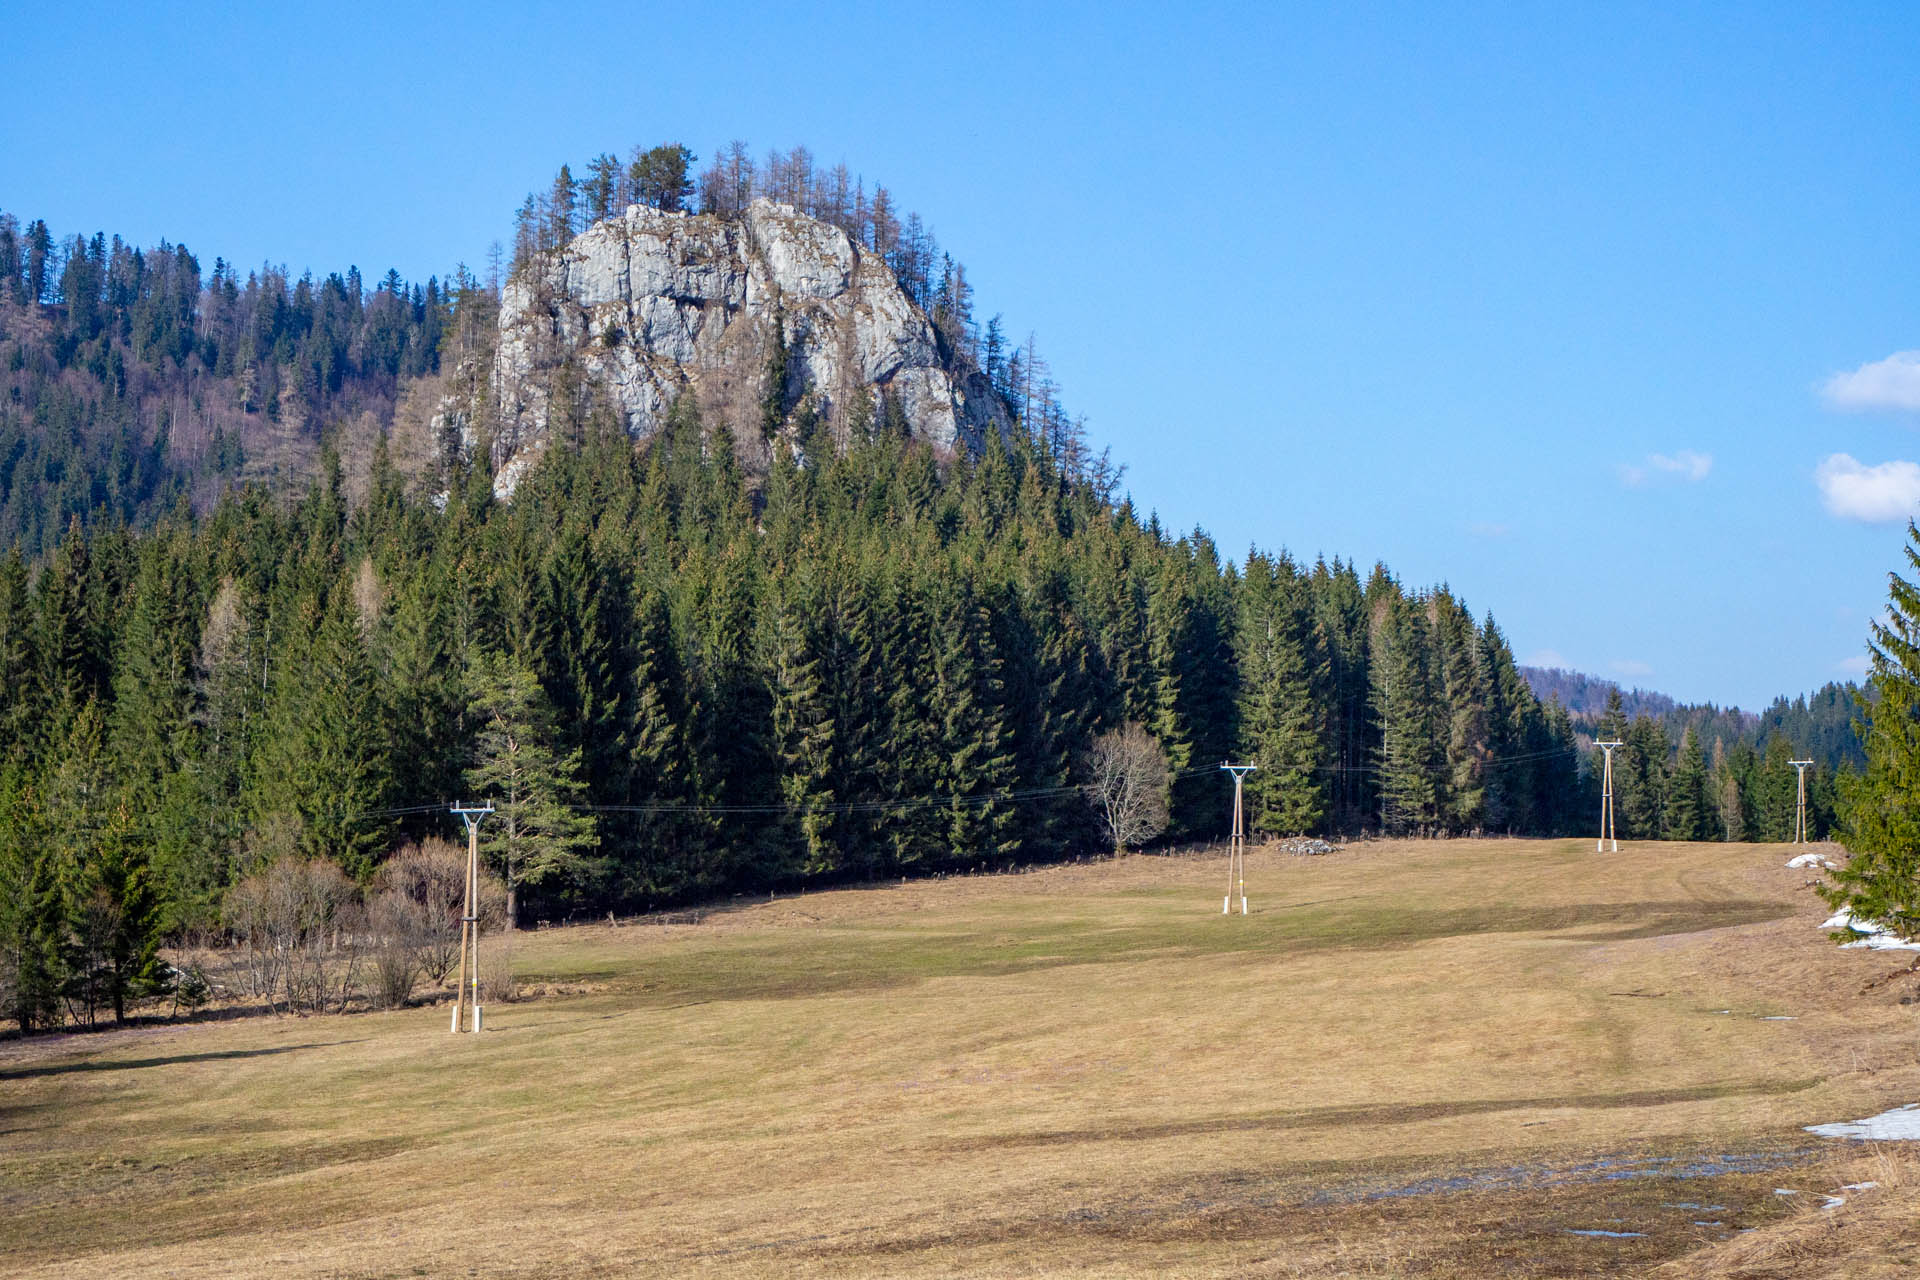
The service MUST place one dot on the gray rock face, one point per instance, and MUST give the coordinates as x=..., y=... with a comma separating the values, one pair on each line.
x=652, y=305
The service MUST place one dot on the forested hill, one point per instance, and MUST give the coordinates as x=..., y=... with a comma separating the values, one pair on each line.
x=1818, y=725
x=756, y=646
x=134, y=379
x=1585, y=697
x=874, y=666
x=131, y=381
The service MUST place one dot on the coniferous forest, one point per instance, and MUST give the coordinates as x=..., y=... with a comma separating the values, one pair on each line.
x=681, y=677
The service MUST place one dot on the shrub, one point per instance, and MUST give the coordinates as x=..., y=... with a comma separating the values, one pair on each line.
x=298, y=923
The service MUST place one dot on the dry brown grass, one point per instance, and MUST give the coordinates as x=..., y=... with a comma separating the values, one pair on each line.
x=1432, y=1059
x=1873, y=1235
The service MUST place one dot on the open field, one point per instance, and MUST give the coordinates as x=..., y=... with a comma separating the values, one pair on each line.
x=1411, y=1059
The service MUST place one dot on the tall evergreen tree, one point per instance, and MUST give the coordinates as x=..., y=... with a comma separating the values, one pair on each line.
x=535, y=834
x=323, y=759
x=1640, y=780
x=1880, y=817
x=1689, y=806
x=1282, y=675
x=804, y=728
x=1463, y=676
x=1409, y=703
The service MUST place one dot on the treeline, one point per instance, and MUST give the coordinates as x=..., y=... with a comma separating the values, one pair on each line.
x=1820, y=724
x=129, y=380
x=1686, y=790
x=869, y=667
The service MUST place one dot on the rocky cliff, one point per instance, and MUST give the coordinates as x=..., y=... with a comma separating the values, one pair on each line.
x=644, y=308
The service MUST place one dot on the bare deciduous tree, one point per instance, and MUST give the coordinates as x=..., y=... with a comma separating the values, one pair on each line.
x=299, y=923
x=1127, y=783
x=418, y=899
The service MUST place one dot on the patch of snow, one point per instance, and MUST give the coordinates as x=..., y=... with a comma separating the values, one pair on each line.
x=1878, y=936
x=1834, y=1202
x=1780, y=1017
x=1881, y=942
x=1902, y=1124
x=1785, y=1191
x=1860, y=1186
x=1810, y=860
x=1611, y=1235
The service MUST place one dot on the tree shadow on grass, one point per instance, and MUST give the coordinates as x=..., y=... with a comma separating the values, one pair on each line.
x=135, y=1064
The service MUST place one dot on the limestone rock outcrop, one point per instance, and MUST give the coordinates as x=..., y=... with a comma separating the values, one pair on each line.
x=643, y=308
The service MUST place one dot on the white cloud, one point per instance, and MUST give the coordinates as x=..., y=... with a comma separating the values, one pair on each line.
x=1893, y=383
x=1489, y=529
x=1856, y=667
x=1548, y=658
x=1688, y=464
x=1630, y=669
x=1877, y=495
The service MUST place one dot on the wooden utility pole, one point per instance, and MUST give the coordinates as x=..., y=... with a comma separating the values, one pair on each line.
x=1800, y=814
x=1608, y=833
x=469, y=988
x=1237, y=852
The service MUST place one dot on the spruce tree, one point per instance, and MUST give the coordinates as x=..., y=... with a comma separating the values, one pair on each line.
x=581, y=655
x=1880, y=814
x=1353, y=732
x=536, y=833
x=1689, y=806
x=1464, y=678
x=969, y=695
x=1409, y=703
x=910, y=762
x=1516, y=738
x=1280, y=722
x=324, y=754
x=1559, y=800
x=653, y=851
x=1640, y=780
x=804, y=729
x=1774, y=792
x=19, y=705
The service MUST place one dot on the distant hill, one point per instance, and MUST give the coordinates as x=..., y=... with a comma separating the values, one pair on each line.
x=1819, y=724
x=1585, y=696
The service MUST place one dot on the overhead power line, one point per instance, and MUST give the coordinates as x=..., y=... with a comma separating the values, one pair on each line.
x=1012, y=796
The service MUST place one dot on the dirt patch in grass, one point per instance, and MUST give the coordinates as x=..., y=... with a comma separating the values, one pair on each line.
x=1603, y=1216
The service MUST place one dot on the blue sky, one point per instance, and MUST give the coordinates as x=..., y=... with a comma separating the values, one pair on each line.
x=1593, y=312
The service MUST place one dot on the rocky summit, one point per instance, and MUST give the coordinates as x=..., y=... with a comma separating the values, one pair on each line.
x=649, y=306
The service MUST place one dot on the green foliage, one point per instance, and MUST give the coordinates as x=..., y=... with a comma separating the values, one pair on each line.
x=676, y=676
x=1409, y=702
x=1283, y=675
x=137, y=380
x=1880, y=820
x=324, y=754
x=535, y=835
x=1689, y=806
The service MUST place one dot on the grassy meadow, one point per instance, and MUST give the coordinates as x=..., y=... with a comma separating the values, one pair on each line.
x=1412, y=1058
